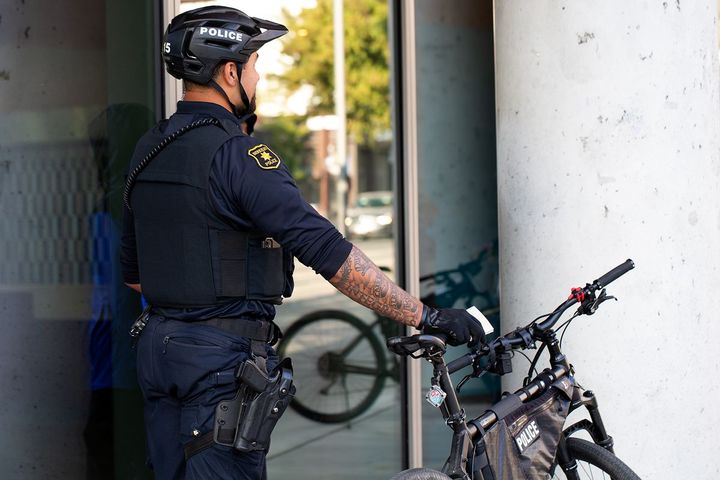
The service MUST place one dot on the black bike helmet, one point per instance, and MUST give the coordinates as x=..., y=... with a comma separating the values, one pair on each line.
x=197, y=41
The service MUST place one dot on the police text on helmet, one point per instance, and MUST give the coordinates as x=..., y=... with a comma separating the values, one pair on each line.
x=221, y=33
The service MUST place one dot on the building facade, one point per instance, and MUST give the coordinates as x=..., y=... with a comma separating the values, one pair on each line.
x=534, y=145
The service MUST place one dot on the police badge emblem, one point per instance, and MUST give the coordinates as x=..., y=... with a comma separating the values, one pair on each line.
x=265, y=158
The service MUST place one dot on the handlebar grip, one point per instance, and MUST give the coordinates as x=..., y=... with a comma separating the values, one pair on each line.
x=615, y=273
x=461, y=362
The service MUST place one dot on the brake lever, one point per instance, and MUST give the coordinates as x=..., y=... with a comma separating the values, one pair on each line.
x=591, y=305
x=477, y=372
x=463, y=382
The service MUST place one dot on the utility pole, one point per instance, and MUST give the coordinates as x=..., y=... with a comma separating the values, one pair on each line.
x=340, y=112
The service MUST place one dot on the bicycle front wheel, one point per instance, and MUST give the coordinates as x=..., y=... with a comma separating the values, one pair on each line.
x=339, y=365
x=594, y=462
x=420, y=474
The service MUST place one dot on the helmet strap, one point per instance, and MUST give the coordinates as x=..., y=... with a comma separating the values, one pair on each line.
x=222, y=92
x=238, y=112
x=243, y=95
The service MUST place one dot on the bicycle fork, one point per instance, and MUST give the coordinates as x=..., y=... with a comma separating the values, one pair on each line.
x=595, y=427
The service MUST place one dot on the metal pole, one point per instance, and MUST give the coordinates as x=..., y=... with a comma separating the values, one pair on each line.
x=340, y=113
x=412, y=220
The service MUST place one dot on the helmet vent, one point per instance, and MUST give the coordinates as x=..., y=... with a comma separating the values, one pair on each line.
x=219, y=43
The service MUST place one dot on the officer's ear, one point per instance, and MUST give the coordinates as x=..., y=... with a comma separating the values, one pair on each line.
x=228, y=72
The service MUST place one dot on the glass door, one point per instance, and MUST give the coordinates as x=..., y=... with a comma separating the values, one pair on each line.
x=457, y=182
x=347, y=418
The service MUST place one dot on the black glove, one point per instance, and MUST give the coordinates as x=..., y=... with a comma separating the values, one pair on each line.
x=459, y=326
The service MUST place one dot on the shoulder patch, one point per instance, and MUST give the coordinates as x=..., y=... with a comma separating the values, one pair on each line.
x=265, y=158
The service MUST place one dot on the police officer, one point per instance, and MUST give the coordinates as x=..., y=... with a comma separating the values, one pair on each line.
x=213, y=220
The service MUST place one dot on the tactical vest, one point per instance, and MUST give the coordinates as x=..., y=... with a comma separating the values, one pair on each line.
x=187, y=255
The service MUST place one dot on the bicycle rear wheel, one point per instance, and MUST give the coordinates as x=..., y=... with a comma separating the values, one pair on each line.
x=594, y=462
x=339, y=365
x=420, y=474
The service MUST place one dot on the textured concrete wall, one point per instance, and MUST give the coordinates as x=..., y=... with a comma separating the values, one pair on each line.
x=607, y=132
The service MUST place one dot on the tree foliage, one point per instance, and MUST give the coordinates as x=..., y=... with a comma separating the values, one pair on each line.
x=310, y=48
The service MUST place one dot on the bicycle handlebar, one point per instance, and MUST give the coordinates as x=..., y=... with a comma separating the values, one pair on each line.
x=578, y=294
x=514, y=339
x=614, y=274
x=520, y=337
x=461, y=362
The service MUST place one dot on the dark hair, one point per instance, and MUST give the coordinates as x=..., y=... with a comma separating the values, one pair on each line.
x=190, y=85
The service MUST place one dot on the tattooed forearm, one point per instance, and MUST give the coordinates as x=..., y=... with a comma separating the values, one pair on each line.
x=361, y=280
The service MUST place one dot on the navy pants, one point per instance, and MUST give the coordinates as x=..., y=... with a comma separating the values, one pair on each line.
x=184, y=371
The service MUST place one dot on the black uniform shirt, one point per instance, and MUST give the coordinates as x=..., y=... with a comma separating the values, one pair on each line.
x=246, y=194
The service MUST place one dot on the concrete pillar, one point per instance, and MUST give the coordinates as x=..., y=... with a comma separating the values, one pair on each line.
x=607, y=130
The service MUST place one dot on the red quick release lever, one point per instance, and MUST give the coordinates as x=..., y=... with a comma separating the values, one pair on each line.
x=578, y=293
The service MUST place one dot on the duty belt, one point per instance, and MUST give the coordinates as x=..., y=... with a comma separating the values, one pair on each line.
x=259, y=330
x=260, y=333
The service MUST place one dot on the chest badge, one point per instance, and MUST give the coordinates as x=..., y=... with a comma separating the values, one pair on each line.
x=265, y=158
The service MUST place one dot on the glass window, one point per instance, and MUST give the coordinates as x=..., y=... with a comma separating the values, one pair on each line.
x=346, y=420
x=457, y=182
x=77, y=90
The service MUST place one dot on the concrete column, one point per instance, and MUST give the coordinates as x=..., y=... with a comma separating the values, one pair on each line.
x=607, y=130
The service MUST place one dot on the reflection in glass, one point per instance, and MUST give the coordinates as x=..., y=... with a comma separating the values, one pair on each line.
x=457, y=182
x=73, y=102
x=342, y=361
x=115, y=418
x=371, y=216
x=347, y=415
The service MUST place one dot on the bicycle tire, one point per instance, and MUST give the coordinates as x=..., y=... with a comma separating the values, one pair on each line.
x=596, y=457
x=321, y=329
x=420, y=474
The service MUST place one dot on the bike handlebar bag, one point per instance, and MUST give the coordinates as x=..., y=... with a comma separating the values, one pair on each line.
x=523, y=442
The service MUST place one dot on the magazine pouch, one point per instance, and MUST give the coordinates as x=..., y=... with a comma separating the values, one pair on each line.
x=523, y=443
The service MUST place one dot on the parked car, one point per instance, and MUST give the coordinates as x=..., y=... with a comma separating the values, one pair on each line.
x=371, y=216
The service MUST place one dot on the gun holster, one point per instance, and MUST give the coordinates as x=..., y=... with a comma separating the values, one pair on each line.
x=246, y=421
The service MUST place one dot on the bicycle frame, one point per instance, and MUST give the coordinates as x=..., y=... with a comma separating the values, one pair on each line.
x=466, y=434
x=469, y=434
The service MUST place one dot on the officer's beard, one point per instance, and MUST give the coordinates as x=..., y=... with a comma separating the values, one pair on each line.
x=249, y=110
